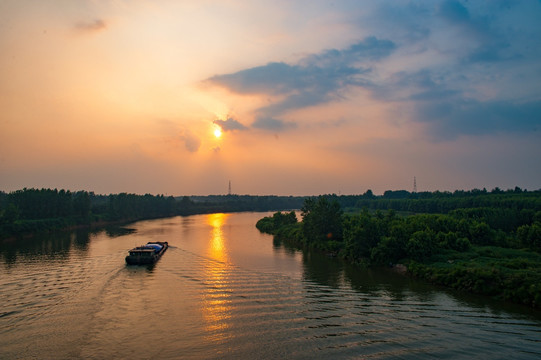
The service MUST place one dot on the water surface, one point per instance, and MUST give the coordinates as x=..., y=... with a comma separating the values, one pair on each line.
x=223, y=290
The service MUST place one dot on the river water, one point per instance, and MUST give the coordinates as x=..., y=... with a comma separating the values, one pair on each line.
x=225, y=291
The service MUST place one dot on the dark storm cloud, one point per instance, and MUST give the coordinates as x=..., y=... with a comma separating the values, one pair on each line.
x=316, y=79
x=230, y=124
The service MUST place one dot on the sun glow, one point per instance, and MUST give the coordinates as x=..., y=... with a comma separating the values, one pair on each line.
x=218, y=133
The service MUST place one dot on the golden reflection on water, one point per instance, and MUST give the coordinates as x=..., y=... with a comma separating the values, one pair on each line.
x=216, y=249
x=217, y=303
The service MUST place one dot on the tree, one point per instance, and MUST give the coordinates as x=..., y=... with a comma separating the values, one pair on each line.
x=368, y=194
x=322, y=221
x=11, y=214
x=361, y=233
x=81, y=204
x=421, y=245
x=282, y=219
x=530, y=235
x=481, y=233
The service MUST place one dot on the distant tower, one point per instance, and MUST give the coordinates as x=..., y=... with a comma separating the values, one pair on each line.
x=229, y=191
x=414, y=184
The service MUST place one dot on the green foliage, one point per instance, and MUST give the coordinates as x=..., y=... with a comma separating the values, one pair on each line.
x=266, y=225
x=271, y=224
x=472, y=245
x=42, y=204
x=453, y=241
x=361, y=234
x=322, y=222
x=500, y=210
x=130, y=206
x=11, y=214
x=283, y=219
x=508, y=274
x=30, y=210
x=186, y=206
x=389, y=250
x=291, y=232
x=235, y=203
x=421, y=245
x=530, y=236
x=481, y=234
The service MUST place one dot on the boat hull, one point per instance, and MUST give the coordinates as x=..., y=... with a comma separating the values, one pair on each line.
x=145, y=254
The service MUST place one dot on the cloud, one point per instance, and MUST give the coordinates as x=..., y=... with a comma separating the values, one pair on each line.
x=230, y=124
x=273, y=124
x=370, y=48
x=316, y=79
x=491, y=43
x=475, y=71
x=448, y=120
x=449, y=110
x=91, y=26
x=454, y=11
x=403, y=22
x=191, y=142
x=273, y=78
x=320, y=73
x=460, y=68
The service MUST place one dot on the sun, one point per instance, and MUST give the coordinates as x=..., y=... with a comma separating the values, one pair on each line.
x=218, y=132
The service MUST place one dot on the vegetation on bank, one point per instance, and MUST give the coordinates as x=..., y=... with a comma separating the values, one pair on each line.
x=476, y=241
x=31, y=210
x=484, y=243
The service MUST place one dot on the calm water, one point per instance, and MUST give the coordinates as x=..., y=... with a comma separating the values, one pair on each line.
x=223, y=290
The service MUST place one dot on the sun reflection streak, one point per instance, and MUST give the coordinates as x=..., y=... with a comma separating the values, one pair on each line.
x=216, y=248
x=217, y=302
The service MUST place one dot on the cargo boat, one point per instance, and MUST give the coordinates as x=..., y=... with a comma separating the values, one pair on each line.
x=147, y=254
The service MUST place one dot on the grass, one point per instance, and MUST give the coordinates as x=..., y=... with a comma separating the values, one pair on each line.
x=507, y=274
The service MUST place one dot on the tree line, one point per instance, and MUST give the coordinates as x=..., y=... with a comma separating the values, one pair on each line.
x=29, y=210
x=493, y=250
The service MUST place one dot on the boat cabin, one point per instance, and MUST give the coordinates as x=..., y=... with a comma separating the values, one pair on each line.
x=142, y=253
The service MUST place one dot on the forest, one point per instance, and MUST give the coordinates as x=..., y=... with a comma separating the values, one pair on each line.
x=480, y=242
x=30, y=210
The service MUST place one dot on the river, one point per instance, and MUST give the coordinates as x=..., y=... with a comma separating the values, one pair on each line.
x=225, y=291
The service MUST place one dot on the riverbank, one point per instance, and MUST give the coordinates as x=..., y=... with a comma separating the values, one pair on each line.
x=502, y=274
x=30, y=210
x=28, y=229
x=452, y=250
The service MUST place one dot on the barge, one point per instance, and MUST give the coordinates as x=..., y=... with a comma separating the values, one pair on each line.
x=147, y=254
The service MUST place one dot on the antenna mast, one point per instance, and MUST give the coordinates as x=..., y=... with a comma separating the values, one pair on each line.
x=229, y=191
x=414, y=184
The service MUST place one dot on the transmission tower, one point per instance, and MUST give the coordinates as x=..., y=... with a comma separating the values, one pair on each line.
x=229, y=191
x=414, y=184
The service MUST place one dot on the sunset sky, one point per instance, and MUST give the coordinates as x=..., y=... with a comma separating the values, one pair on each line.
x=307, y=97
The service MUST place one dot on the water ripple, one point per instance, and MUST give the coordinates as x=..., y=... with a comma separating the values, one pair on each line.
x=195, y=306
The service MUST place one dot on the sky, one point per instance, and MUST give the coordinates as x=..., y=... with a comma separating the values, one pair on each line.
x=276, y=97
